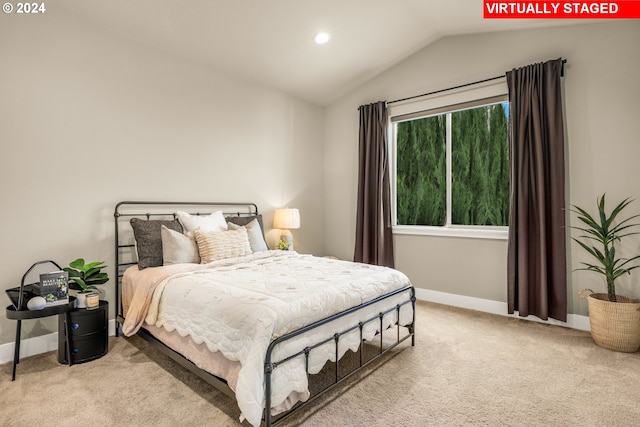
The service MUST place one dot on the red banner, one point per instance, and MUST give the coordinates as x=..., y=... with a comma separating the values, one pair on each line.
x=625, y=9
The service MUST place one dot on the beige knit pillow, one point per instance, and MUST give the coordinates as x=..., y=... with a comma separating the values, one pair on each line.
x=215, y=245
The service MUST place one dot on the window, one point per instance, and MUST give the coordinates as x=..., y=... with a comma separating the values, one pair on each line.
x=452, y=168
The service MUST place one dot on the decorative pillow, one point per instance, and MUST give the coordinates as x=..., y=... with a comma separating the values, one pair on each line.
x=244, y=220
x=178, y=248
x=215, y=245
x=149, y=240
x=254, y=231
x=213, y=222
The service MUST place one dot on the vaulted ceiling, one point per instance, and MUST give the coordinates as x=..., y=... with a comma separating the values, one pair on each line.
x=271, y=42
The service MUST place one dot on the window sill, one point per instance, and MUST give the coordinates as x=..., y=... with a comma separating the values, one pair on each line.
x=495, y=233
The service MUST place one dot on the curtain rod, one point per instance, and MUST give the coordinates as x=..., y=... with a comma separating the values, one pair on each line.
x=564, y=61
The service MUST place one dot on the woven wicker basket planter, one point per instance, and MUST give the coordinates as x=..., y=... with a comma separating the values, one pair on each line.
x=614, y=325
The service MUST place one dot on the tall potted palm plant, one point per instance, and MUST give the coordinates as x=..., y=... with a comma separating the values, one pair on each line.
x=614, y=319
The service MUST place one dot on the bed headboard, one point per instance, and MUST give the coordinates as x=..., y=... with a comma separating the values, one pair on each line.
x=125, y=252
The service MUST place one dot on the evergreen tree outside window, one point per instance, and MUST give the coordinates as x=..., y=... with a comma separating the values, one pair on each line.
x=452, y=166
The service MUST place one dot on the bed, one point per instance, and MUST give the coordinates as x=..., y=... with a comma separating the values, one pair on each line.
x=197, y=280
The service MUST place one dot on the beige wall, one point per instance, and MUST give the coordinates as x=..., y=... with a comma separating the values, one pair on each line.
x=88, y=119
x=602, y=102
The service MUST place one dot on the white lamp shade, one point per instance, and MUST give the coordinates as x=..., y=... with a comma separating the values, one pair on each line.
x=286, y=219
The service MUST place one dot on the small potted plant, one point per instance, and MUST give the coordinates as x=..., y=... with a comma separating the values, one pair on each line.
x=84, y=278
x=614, y=319
x=283, y=245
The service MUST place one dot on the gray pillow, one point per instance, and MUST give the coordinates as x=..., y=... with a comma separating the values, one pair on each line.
x=244, y=220
x=178, y=248
x=149, y=240
x=254, y=232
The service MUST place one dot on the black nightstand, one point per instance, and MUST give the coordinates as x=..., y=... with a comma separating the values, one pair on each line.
x=89, y=330
x=12, y=313
x=19, y=309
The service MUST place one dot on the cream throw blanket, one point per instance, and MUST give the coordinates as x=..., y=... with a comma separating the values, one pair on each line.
x=238, y=306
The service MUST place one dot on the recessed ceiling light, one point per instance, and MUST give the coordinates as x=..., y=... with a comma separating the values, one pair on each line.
x=322, y=38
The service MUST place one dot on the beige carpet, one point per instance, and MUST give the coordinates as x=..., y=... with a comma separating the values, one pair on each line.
x=467, y=369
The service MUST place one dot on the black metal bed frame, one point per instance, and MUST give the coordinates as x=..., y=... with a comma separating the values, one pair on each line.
x=131, y=209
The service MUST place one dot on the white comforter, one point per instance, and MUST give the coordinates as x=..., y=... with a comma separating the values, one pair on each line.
x=238, y=306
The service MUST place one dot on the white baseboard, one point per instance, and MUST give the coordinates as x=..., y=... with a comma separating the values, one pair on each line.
x=575, y=321
x=38, y=345
x=45, y=343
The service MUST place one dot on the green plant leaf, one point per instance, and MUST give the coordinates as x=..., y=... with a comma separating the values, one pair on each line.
x=84, y=276
x=77, y=264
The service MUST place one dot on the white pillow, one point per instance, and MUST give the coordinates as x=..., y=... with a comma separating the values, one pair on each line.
x=215, y=245
x=178, y=248
x=213, y=222
x=256, y=238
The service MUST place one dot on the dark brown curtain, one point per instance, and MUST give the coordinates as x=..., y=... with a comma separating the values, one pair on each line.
x=537, y=276
x=374, y=240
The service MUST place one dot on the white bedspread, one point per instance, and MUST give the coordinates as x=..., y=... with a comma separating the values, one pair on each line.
x=238, y=306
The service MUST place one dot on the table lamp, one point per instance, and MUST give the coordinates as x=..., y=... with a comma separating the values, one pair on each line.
x=286, y=219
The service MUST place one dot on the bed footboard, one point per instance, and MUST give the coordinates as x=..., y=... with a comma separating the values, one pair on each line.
x=402, y=334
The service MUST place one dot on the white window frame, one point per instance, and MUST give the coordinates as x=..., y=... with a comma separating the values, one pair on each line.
x=412, y=109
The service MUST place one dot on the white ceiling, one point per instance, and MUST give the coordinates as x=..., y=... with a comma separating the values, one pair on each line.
x=271, y=41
